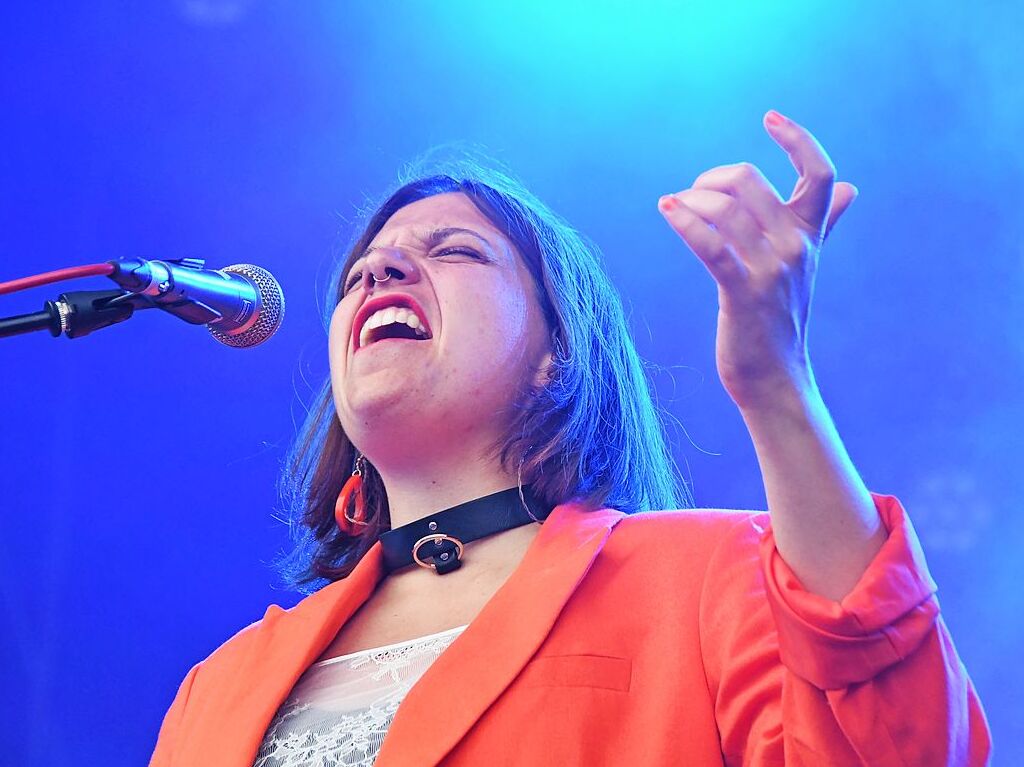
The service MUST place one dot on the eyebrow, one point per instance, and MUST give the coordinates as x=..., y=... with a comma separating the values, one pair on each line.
x=434, y=238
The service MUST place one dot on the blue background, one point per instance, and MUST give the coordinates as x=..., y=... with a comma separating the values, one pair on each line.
x=138, y=465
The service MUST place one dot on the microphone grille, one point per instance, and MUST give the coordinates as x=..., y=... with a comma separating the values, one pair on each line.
x=270, y=313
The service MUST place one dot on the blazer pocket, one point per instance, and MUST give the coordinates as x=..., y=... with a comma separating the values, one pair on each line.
x=601, y=671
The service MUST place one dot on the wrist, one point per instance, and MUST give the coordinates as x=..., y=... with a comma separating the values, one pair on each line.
x=794, y=397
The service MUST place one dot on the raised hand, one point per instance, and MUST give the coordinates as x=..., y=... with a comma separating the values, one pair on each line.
x=762, y=251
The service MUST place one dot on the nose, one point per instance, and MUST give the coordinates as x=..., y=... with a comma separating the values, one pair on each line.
x=385, y=264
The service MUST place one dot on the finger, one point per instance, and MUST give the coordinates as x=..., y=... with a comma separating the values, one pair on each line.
x=813, y=191
x=746, y=182
x=708, y=245
x=843, y=196
x=730, y=217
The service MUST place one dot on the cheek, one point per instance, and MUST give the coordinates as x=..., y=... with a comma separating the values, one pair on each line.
x=496, y=333
x=337, y=341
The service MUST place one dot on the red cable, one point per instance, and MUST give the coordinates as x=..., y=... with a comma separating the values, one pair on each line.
x=56, y=276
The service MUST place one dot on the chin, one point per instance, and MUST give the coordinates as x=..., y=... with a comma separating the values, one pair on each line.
x=383, y=403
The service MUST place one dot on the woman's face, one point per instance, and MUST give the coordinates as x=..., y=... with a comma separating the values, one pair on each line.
x=476, y=302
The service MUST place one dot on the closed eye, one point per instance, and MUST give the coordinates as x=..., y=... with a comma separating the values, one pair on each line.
x=465, y=251
x=355, y=276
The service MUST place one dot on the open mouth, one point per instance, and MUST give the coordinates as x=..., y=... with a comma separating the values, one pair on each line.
x=390, y=317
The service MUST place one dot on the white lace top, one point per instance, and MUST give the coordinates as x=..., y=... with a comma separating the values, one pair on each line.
x=339, y=711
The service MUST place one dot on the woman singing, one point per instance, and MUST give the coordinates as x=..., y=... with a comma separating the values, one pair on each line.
x=479, y=498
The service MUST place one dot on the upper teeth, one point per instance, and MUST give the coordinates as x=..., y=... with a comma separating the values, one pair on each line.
x=386, y=317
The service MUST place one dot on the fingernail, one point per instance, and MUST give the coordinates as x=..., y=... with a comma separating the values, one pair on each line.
x=667, y=202
x=774, y=119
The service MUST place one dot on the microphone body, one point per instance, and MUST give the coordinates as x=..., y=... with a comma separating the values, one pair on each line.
x=242, y=305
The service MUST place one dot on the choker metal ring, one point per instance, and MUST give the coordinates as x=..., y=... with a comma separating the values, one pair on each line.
x=436, y=538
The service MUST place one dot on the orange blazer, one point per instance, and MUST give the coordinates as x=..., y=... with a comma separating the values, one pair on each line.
x=661, y=638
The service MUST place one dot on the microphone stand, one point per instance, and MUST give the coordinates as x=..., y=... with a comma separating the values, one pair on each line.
x=78, y=313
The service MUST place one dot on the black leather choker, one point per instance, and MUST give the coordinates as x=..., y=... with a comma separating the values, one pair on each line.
x=436, y=542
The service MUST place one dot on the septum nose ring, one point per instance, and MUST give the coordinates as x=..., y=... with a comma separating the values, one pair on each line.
x=385, y=279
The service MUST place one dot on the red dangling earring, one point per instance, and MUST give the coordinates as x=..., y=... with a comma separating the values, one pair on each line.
x=353, y=489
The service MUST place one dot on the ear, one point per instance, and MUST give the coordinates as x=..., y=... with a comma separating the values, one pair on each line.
x=544, y=370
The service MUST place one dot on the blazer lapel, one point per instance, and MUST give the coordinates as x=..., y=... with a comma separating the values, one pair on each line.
x=228, y=725
x=465, y=679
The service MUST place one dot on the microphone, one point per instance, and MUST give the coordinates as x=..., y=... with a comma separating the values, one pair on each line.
x=241, y=305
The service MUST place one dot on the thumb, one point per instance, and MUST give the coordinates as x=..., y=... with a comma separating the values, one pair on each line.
x=843, y=195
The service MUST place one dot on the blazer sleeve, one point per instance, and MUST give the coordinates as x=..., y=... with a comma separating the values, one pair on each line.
x=169, y=730
x=798, y=679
